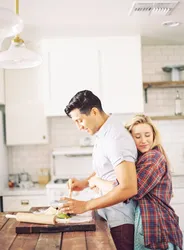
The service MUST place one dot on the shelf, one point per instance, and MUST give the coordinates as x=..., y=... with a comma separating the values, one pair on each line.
x=168, y=117
x=169, y=84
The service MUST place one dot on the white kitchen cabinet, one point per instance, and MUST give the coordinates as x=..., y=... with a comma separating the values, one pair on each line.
x=179, y=208
x=26, y=122
x=121, y=75
x=110, y=67
x=177, y=203
x=23, y=203
x=2, y=91
x=72, y=68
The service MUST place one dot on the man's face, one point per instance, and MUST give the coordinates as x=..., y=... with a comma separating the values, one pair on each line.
x=84, y=122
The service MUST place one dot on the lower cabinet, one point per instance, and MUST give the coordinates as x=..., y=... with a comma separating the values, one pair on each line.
x=177, y=204
x=23, y=203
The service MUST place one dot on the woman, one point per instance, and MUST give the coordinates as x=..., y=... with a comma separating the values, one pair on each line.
x=156, y=224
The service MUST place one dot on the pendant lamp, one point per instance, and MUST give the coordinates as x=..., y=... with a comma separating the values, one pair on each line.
x=18, y=56
x=10, y=23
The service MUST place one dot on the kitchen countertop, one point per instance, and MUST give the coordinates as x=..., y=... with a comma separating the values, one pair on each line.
x=177, y=180
x=99, y=239
x=35, y=190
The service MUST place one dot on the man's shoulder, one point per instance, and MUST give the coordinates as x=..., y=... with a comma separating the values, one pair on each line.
x=115, y=126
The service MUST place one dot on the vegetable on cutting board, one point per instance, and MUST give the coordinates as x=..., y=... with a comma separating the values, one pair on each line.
x=63, y=216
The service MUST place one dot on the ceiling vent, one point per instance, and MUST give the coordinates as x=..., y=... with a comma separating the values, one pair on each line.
x=153, y=7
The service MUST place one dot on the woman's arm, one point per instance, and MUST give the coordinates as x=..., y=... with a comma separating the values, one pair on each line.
x=103, y=185
x=150, y=170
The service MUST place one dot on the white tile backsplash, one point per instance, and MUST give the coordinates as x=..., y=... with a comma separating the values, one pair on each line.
x=160, y=102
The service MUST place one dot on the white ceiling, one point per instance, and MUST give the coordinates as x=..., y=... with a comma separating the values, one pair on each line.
x=53, y=18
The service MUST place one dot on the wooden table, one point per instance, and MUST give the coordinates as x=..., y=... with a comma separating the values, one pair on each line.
x=100, y=239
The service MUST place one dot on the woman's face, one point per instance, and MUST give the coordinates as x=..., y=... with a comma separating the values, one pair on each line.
x=143, y=136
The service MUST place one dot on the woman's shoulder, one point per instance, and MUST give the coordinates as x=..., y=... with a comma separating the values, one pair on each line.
x=152, y=155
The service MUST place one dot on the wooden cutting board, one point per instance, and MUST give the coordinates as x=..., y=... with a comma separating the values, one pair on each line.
x=28, y=228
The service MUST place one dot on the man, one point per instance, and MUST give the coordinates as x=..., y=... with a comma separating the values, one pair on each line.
x=113, y=159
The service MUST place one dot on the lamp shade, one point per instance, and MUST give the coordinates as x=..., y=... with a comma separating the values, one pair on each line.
x=10, y=23
x=19, y=57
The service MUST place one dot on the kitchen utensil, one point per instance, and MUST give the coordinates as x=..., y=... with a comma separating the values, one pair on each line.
x=70, y=186
x=33, y=218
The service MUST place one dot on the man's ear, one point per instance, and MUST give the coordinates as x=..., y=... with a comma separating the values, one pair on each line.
x=94, y=111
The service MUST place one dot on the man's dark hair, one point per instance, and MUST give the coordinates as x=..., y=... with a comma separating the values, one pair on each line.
x=84, y=100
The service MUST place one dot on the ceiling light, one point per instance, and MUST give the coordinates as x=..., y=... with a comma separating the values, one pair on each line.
x=10, y=23
x=171, y=24
x=18, y=56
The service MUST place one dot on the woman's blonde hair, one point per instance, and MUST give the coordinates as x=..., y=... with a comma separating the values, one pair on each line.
x=143, y=119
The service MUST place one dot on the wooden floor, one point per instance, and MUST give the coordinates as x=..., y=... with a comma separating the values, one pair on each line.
x=100, y=239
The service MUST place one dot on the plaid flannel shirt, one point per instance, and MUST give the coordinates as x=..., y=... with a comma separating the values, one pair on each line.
x=160, y=223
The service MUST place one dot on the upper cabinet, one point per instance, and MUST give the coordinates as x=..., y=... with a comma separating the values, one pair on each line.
x=71, y=68
x=2, y=97
x=121, y=75
x=25, y=119
x=110, y=67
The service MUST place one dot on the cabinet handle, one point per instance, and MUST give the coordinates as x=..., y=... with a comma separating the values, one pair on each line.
x=44, y=137
x=24, y=202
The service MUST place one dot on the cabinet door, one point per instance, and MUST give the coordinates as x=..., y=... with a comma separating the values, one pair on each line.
x=121, y=75
x=179, y=208
x=2, y=98
x=71, y=69
x=25, y=119
x=23, y=203
x=26, y=124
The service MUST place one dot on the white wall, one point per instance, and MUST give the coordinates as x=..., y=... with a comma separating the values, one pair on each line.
x=160, y=101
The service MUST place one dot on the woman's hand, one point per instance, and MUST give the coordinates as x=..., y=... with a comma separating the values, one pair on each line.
x=73, y=206
x=93, y=181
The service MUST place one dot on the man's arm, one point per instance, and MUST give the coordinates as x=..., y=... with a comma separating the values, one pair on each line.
x=127, y=188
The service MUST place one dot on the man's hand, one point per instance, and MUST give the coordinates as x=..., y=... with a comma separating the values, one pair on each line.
x=77, y=185
x=73, y=206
